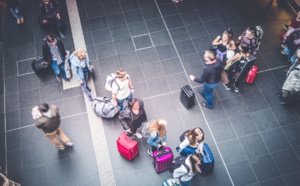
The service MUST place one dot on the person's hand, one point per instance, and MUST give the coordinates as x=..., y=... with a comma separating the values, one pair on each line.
x=132, y=90
x=240, y=38
x=58, y=16
x=164, y=144
x=128, y=131
x=44, y=21
x=115, y=103
x=192, y=77
x=92, y=67
x=81, y=82
x=178, y=182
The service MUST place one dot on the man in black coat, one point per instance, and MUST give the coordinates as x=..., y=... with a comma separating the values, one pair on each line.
x=210, y=78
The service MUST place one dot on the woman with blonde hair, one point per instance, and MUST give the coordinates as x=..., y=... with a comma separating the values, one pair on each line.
x=191, y=142
x=81, y=67
x=224, y=43
x=158, y=137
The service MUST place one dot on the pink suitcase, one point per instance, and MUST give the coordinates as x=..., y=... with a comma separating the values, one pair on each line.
x=162, y=159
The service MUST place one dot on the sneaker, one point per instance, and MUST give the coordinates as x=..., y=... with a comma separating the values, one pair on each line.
x=22, y=20
x=18, y=21
x=283, y=52
x=138, y=135
x=58, y=77
x=150, y=152
x=204, y=105
x=283, y=45
x=61, y=148
x=69, y=143
x=226, y=86
x=236, y=89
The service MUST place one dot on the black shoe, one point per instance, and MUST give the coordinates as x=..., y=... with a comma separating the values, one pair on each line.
x=204, y=105
x=88, y=89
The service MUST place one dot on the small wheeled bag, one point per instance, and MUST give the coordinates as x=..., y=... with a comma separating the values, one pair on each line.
x=38, y=65
x=104, y=107
x=187, y=97
x=207, y=161
x=127, y=147
x=162, y=159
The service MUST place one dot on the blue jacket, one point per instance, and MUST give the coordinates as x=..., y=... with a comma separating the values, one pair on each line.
x=76, y=67
x=154, y=139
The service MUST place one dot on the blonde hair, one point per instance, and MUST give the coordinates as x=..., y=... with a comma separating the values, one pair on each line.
x=121, y=73
x=80, y=53
x=159, y=126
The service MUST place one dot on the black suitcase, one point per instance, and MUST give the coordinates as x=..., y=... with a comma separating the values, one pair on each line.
x=187, y=97
x=39, y=65
x=244, y=67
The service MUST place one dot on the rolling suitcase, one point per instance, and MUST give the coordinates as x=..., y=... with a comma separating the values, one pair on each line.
x=39, y=65
x=127, y=147
x=170, y=182
x=244, y=67
x=251, y=75
x=187, y=97
x=207, y=162
x=162, y=159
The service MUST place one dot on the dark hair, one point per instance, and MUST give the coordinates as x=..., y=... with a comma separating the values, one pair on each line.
x=193, y=160
x=229, y=33
x=132, y=102
x=252, y=30
x=245, y=47
x=44, y=107
x=50, y=38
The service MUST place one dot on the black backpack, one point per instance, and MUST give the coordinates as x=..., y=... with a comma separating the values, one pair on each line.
x=177, y=162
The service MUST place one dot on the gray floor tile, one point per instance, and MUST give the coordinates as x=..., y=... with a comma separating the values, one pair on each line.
x=141, y=89
x=51, y=93
x=11, y=85
x=95, y=11
x=266, y=80
x=133, y=16
x=253, y=145
x=292, y=132
x=150, y=13
x=136, y=74
x=109, y=64
x=116, y=20
x=35, y=176
x=274, y=59
x=264, y=120
x=124, y=46
x=12, y=120
x=158, y=86
x=264, y=167
x=177, y=81
x=29, y=98
x=148, y=55
x=191, y=62
x=275, y=140
x=168, y=9
x=202, y=43
x=172, y=66
x=192, y=118
x=292, y=179
x=290, y=163
x=234, y=106
x=10, y=69
x=222, y=130
x=14, y=161
x=129, y=60
x=216, y=114
x=101, y=36
x=105, y=50
x=13, y=140
x=138, y=28
x=129, y=5
x=219, y=177
x=61, y=170
x=243, y=125
x=179, y=34
x=197, y=30
x=166, y=52
x=214, y=26
x=27, y=82
x=141, y=42
x=232, y=151
x=153, y=70
x=173, y=21
x=285, y=115
x=190, y=18
x=252, y=104
x=155, y=25
x=160, y=38
x=241, y=173
x=185, y=47
x=12, y=102
x=278, y=181
x=112, y=8
x=173, y=118
x=74, y=105
x=271, y=96
x=120, y=32
x=25, y=52
x=164, y=103
x=208, y=14
x=24, y=67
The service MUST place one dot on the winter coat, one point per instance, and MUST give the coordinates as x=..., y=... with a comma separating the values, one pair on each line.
x=211, y=73
x=47, y=53
x=49, y=125
x=50, y=10
x=292, y=82
x=76, y=67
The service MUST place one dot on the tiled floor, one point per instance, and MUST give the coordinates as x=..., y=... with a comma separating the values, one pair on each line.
x=254, y=139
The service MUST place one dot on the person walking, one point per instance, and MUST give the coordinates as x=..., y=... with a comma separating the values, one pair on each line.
x=184, y=174
x=210, y=78
x=54, y=53
x=50, y=15
x=81, y=67
x=48, y=119
x=158, y=137
x=13, y=6
x=122, y=88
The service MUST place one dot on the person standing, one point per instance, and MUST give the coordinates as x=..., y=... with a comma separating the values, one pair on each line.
x=54, y=53
x=249, y=37
x=158, y=137
x=50, y=15
x=49, y=121
x=210, y=78
x=122, y=88
x=81, y=67
x=13, y=6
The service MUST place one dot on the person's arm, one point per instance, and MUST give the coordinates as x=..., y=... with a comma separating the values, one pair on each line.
x=152, y=139
x=199, y=79
x=131, y=86
x=114, y=98
x=184, y=144
x=62, y=47
x=235, y=57
x=57, y=8
x=232, y=46
x=123, y=121
x=43, y=11
x=200, y=148
x=217, y=41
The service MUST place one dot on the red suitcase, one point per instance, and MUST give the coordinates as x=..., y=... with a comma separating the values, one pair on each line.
x=127, y=147
x=162, y=159
x=251, y=75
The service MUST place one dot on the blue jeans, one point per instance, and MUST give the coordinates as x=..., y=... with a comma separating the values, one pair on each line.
x=59, y=69
x=185, y=183
x=121, y=101
x=15, y=12
x=84, y=85
x=207, y=92
x=291, y=57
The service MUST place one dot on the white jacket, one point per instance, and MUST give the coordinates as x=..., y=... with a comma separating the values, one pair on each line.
x=182, y=174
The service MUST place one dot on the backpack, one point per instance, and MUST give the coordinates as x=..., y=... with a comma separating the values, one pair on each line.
x=144, y=129
x=104, y=107
x=110, y=79
x=259, y=33
x=177, y=162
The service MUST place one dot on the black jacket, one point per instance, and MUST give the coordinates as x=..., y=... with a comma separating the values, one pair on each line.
x=47, y=53
x=49, y=11
x=211, y=73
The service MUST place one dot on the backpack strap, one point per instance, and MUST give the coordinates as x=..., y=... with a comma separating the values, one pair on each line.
x=187, y=168
x=115, y=80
